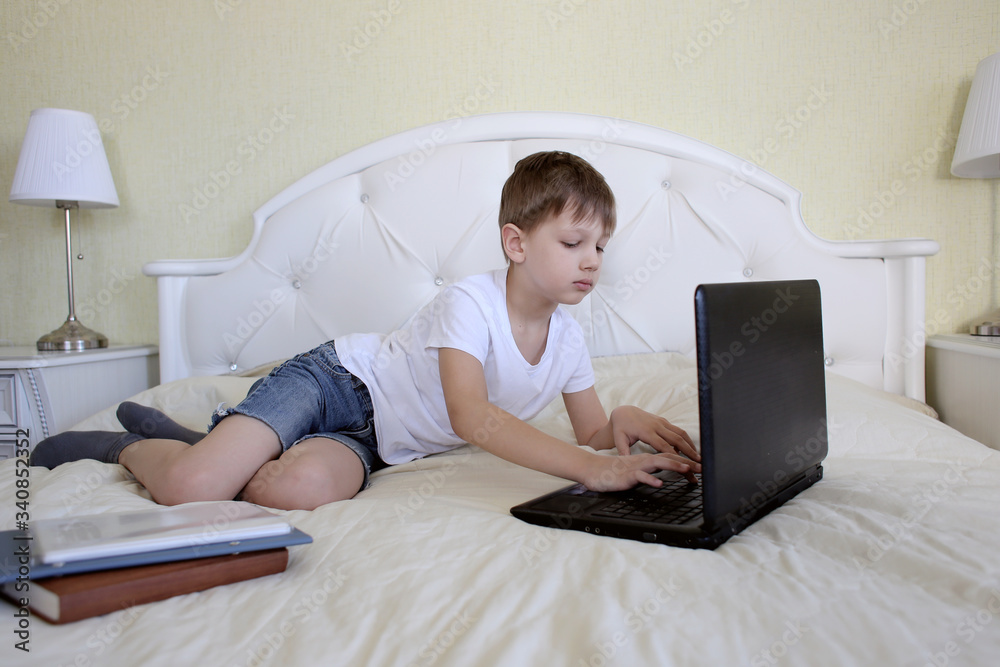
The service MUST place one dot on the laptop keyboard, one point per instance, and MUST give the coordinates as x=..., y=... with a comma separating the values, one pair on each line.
x=676, y=502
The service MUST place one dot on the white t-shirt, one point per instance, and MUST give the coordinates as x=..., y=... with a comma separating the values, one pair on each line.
x=401, y=368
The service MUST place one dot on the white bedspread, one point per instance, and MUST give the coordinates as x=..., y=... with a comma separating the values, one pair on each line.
x=892, y=559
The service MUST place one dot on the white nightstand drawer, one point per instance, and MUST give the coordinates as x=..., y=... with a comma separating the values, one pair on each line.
x=48, y=392
x=963, y=384
x=7, y=448
x=8, y=401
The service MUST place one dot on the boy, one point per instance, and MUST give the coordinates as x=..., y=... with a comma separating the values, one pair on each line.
x=485, y=356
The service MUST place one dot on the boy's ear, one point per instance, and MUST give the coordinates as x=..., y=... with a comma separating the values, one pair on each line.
x=512, y=237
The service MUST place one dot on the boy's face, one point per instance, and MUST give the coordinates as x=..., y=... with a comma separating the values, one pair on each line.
x=562, y=257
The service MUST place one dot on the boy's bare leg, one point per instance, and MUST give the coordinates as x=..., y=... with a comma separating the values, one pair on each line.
x=216, y=468
x=314, y=472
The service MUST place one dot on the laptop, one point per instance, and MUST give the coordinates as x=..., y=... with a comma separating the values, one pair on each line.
x=762, y=417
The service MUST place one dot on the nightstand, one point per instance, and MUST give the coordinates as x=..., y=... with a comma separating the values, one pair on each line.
x=48, y=392
x=963, y=384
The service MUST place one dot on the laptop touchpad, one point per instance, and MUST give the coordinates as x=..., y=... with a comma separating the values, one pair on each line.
x=566, y=504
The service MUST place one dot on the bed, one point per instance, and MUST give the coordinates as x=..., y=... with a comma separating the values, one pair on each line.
x=891, y=559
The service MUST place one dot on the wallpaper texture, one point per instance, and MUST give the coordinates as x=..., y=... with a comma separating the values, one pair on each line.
x=208, y=108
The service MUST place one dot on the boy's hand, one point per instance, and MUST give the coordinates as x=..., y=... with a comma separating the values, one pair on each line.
x=617, y=473
x=630, y=424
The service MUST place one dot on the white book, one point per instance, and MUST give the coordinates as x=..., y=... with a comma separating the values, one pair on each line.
x=121, y=533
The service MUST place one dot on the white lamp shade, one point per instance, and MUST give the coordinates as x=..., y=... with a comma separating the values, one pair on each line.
x=977, y=152
x=62, y=160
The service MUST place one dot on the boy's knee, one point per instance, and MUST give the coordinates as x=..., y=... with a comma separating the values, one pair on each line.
x=186, y=483
x=285, y=478
x=264, y=479
x=293, y=483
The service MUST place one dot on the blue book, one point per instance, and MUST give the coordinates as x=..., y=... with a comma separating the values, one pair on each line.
x=16, y=558
x=53, y=547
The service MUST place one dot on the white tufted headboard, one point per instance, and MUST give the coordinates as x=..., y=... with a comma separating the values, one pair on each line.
x=361, y=243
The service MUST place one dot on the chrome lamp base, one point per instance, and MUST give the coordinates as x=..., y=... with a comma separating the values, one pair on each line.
x=990, y=326
x=71, y=336
x=986, y=328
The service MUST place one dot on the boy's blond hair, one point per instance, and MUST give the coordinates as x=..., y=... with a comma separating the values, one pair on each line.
x=543, y=185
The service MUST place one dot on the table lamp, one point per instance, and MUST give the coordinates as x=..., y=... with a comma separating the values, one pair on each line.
x=62, y=164
x=977, y=151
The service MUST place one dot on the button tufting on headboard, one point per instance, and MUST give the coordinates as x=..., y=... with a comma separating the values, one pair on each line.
x=364, y=243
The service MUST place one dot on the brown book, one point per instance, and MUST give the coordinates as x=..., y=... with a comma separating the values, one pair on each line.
x=76, y=596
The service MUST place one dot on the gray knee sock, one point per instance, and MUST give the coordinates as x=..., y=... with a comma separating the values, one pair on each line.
x=76, y=445
x=151, y=423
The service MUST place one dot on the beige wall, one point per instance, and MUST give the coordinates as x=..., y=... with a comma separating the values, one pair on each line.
x=856, y=104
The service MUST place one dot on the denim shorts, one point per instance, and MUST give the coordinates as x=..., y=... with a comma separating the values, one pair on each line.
x=313, y=396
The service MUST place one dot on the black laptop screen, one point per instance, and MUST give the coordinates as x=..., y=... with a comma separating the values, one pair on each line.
x=762, y=397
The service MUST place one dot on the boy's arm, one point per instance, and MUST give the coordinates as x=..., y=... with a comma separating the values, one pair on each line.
x=628, y=424
x=477, y=421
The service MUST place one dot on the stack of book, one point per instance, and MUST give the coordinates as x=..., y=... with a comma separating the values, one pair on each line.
x=72, y=568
